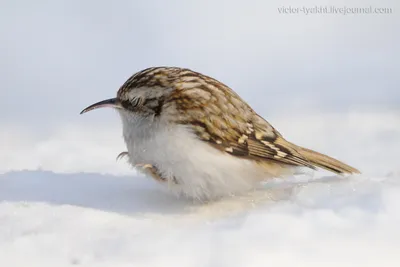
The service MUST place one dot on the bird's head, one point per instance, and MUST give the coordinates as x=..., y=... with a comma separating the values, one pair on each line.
x=144, y=93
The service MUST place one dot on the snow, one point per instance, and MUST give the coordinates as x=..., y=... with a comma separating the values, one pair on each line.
x=50, y=219
x=54, y=213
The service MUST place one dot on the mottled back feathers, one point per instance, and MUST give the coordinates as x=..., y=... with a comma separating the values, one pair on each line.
x=216, y=114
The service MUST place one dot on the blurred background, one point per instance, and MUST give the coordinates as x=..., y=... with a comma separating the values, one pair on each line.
x=329, y=82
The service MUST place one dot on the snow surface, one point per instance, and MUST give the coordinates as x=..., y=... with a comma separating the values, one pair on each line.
x=55, y=214
x=50, y=219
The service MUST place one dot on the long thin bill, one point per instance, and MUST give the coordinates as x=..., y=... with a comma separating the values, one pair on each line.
x=110, y=103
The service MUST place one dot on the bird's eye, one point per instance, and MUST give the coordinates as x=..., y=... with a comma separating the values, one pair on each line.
x=137, y=101
x=131, y=104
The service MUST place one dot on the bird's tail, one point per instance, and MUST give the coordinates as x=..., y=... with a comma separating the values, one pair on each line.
x=326, y=162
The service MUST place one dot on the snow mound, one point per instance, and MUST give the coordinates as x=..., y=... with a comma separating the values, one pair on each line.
x=83, y=219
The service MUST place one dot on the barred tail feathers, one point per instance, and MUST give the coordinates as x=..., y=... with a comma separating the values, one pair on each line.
x=326, y=162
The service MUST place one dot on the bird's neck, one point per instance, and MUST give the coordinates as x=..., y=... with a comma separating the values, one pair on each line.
x=139, y=127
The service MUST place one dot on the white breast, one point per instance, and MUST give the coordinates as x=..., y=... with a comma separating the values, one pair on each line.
x=201, y=171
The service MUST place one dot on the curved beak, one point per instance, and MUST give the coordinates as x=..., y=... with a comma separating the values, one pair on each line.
x=111, y=103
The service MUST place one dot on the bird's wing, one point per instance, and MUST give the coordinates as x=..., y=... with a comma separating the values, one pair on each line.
x=220, y=117
x=254, y=138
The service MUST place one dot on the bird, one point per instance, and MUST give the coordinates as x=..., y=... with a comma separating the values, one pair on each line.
x=200, y=139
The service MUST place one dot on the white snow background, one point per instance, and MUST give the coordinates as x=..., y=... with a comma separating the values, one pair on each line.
x=72, y=217
x=328, y=82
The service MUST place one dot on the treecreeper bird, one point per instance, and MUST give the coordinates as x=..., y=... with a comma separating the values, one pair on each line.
x=198, y=137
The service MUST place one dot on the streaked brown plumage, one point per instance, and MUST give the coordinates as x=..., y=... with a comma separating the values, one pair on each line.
x=162, y=98
x=220, y=117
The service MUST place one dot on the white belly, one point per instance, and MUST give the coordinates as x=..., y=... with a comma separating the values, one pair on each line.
x=201, y=171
